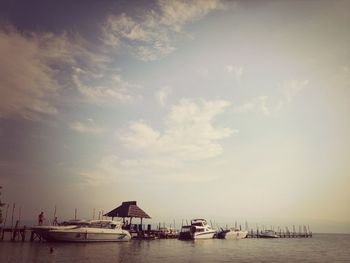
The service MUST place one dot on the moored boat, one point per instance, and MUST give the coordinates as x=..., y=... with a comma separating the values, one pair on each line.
x=268, y=234
x=232, y=233
x=185, y=233
x=200, y=229
x=93, y=231
x=42, y=231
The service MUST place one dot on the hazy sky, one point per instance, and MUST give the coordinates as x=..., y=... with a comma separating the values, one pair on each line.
x=227, y=110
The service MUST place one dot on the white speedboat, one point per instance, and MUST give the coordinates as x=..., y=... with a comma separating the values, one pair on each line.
x=43, y=230
x=94, y=231
x=268, y=234
x=232, y=233
x=201, y=230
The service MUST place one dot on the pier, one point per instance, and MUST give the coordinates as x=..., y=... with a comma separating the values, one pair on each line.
x=139, y=232
x=129, y=210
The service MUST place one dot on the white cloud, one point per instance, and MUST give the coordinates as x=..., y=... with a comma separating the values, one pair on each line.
x=258, y=104
x=103, y=88
x=173, y=154
x=151, y=35
x=271, y=104
x=162, y=95
x=188, y=134
x=236, y=70
x=178, y=12
x=293, y=88
x=87, y=127
x=35, y=70
x=28, y=82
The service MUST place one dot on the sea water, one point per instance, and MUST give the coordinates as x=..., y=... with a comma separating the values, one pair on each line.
x=319, y=248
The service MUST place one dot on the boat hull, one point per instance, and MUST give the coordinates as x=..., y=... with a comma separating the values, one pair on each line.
x=87, y=236
x=204, y=235
x=268, y=236
x=235, y=235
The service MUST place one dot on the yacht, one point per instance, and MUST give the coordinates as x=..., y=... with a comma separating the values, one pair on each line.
x=268, y=234
x=42, y=231
x=232, y=233
x=185, y=233
x=201, y=230
x=93, y=231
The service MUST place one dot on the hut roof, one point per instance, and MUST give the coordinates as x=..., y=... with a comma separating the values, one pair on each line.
x=128, y=209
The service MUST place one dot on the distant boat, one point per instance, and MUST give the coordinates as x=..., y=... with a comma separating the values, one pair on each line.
x=93, y=231
x=167, y=232
x=268, y=234
x=200, y=229
x=232, y=233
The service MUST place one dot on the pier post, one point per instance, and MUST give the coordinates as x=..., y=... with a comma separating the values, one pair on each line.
x=24, y=234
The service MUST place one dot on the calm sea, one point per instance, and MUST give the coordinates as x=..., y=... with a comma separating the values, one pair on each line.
x=320, y=248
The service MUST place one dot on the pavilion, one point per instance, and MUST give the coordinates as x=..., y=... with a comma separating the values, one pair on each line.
x=128, y=209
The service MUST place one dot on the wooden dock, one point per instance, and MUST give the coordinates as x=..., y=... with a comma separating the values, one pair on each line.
x=304, y=232
x=15, y=234
x=140, y=232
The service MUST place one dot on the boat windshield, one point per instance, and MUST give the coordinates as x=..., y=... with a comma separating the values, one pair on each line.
x=198, y=224
x=186, y=229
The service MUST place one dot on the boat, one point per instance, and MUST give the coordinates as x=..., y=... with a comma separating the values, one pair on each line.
x=233, y=233
x=167, y=232
x=42, y=231
x=268, y=234
x=185, y=233
x=93, y=231
x=201, y=230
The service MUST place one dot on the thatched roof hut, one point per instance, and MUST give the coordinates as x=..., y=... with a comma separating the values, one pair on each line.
x=128, y=209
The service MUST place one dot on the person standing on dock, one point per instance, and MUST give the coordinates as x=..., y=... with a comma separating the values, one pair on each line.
x=55, y=222
x=41, y=218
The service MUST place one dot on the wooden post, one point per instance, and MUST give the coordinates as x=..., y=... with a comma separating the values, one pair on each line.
x=4, y=224
x=75, y=214
x=54, y=215
x=19, y=215
x=13, y=211
x=141, y=224
x=24, y=234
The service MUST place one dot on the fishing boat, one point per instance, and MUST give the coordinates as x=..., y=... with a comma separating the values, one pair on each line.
x=93, y=231
x=268, y=234
x=232, y=233
x=201, y=230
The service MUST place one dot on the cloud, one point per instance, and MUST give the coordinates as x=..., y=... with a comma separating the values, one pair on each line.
x=36, y=68
x=293, y=88
x=162, y=95
x=151, y=35
x=236, y=70
x=271, y=104
x=87, y=127
x=28, y=79
x=114, y=169
x=188, y=135
x=258, y=104
x=173, y=154
x=104, y=88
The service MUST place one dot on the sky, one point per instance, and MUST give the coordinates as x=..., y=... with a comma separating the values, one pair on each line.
x=224, y=110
